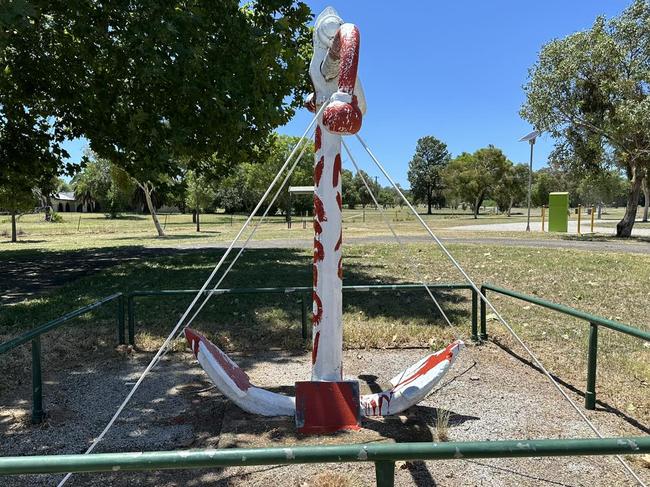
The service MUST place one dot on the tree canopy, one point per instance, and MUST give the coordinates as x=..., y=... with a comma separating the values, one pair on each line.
x=425, y=171
x=591, y=92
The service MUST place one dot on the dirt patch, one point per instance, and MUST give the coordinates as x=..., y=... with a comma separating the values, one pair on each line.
x=489, y=395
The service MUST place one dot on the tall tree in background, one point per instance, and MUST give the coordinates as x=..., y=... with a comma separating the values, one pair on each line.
x=475, y=176
x=591, y=92
x=149, y=83
x=511, y=188
x=425, y=171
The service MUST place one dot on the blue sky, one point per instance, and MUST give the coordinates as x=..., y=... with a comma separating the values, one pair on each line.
x=450, y=69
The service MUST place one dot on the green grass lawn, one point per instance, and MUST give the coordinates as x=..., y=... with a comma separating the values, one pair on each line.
x=609, y=284
x=91, y=230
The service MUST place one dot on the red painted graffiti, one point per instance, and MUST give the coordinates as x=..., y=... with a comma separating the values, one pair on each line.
x=386, y=398
x=318, y=315
x=319, y=252
x=337, y=171
x=317, y=139
x=236, y=374
x=317, y=228
x=345, y=47
x=339, y=201
x=340, y=268
x=319, y=209
x=430, y=363
x=340, y=241
x=318, y=170
x=314, y=350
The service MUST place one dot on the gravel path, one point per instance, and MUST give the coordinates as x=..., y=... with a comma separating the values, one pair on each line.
x=537, y=227
x=490, y=394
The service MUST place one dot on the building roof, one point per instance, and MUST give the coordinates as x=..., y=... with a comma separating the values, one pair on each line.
x=301, y=189
x=65, y=196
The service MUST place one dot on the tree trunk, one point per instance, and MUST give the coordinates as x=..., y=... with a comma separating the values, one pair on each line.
x=48, y=208
x=193, y=216
x=512, y=202
x=14, y=234
x=429, y=198
x=148, y=189
x=646, y=197
x=624, y=227
x=198, y=220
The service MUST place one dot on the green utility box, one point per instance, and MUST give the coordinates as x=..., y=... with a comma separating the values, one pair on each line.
x=558, y=212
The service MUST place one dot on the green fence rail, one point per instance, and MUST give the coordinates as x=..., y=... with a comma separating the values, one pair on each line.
x=305, y=299
x=34, y=336
x=384, y=456
x=593, y=320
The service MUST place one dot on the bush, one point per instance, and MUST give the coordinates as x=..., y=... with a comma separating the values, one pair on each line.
x=56, y=218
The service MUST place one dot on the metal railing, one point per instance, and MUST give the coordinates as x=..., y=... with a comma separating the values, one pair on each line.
x=305, y=299
x=593, y=320
x=384, y=456
x=34, y=336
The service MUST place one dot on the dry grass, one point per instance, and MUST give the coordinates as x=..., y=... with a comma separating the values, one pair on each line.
x=333, y=479
x=442, y=424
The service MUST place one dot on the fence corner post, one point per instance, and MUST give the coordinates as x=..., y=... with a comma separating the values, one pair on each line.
x=475, y=337
x=37, y=382
x=592, y=365
x=483, y=334
x=131, y=313
x=120, y=320
x=385, y=473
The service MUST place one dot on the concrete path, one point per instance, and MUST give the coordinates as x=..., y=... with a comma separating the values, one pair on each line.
x=520, y=226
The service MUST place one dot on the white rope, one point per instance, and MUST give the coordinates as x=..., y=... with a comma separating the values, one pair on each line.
x=497, y=314
x=171, y=336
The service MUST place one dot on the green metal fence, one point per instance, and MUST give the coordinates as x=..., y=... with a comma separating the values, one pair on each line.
x=384, y=456
x=34, y=336
x=593, y=320
x=305, y=299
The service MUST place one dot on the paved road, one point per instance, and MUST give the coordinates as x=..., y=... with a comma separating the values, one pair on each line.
x=25, y=277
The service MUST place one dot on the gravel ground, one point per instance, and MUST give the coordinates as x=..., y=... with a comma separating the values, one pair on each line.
x=490, y=394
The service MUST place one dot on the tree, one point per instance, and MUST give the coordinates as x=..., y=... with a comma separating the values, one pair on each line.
x=362, y=191
x=349, y=189
x=473, y=177
x=425, y=171
x=149, y=83
x=608, y=187
x=512, y=188
x=591, y=92
x=199, y=194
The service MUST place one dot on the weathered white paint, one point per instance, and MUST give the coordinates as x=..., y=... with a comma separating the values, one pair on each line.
x=251, y=398
x=413, y=384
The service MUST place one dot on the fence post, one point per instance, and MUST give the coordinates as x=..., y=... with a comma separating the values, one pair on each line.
x=474, y=316
x=131, y=312
x=303, y=309
x=120, y=320
x=37, y=382
x=590, y=393
x=385, y=473
x=483, y=334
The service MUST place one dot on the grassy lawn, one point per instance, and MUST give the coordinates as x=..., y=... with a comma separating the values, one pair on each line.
x=89, y=230
x=609, y=284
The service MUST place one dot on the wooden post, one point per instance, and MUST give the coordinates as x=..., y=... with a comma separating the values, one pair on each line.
x=579, y=217
x=593, y=212
x=543, y=216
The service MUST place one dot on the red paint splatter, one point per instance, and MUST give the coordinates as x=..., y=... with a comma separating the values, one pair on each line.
x=315, y=275
x=318, y=315
x=340, y=268
x=319, y=252
x=373, y=405
x=317, y=227
x=430, y=363
x=317, y=139
x=345, y=46
x=386, y=398
x=314, y=350
x=337, y=170
x=238, y=376
x=339, y=201
x=318, y=170
x=319, y=209
x=340, y=241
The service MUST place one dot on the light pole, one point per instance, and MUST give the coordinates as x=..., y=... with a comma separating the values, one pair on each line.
x=531, y=139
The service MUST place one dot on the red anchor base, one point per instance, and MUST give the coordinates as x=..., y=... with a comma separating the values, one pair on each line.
x=326, y=407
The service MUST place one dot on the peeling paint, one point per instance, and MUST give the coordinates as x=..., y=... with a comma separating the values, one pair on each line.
x=458, y=454
x=363, y=454
x=288, y=453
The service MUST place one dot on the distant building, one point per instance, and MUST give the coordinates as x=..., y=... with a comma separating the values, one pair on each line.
x=65, y=201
